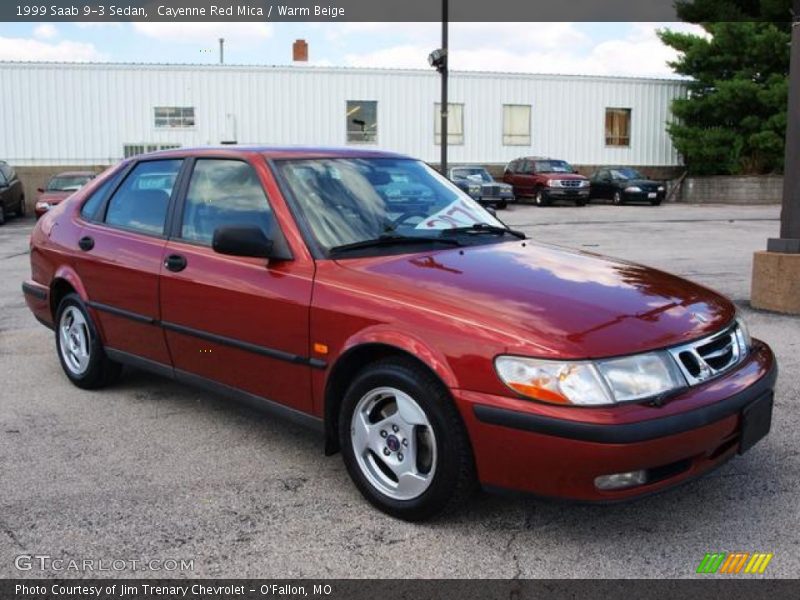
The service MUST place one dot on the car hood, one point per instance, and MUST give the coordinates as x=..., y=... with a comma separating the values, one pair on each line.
x=563, y=176
x=54, y=197
x=551, y=301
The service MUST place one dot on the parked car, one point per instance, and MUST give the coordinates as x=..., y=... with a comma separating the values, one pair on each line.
x=59, y=187
x=432, y=345
x=479, y=184
x=625, y=184
x=12, y=193
x=546, y=180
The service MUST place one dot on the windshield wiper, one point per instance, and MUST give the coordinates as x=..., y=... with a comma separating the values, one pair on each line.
x=391, y=240
x=485, y=228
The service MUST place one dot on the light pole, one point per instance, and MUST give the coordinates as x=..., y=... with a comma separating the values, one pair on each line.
x=438, y=59
x=776, y=272
x=789, y=240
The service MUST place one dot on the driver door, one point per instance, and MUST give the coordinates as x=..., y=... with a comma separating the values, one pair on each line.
x=239, y=321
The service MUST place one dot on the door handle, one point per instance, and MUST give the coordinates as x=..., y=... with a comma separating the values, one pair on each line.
x=175, y=262
x=86, y=243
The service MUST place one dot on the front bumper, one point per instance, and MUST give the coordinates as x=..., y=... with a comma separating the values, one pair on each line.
x=643, y=196
x=558, y=451
x=566, y=193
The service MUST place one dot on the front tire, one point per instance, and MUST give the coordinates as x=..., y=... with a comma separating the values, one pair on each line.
x=403, y=441
x=79, y=348
x=617, y=199
x=541, y=199
x=502, y=204
x=21, y=207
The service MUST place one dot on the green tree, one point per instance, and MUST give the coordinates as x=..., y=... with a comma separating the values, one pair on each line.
x=733, y=120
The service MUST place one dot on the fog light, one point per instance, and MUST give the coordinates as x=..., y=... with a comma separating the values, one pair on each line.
x=617, y=481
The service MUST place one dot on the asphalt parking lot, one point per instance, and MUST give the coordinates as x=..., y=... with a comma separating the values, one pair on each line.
x=154, y=470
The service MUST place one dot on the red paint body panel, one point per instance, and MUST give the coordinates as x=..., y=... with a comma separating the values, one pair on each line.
x=453, y=309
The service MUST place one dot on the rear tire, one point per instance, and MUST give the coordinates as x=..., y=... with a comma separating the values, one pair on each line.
x=403, y=441
x=79, y=348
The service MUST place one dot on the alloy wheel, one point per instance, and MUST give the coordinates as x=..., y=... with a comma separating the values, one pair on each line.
x=394, y=443
x=74, y=340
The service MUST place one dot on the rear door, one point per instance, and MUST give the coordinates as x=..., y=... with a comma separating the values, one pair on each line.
x=524, y=179
x=239, y=321
x=121, y=258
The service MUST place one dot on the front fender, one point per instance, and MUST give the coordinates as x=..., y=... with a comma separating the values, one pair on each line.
x=407, y=342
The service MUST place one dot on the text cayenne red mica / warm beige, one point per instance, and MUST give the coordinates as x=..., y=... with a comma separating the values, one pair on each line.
x=364, y=295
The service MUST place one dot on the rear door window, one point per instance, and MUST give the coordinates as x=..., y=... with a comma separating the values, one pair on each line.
x=141, y=202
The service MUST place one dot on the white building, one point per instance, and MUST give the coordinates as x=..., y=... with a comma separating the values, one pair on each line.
x=95, y=114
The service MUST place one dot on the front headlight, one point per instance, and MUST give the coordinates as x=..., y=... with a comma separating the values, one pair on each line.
x=591, y=383
x=634, y=189
x=474, y=190
x=43, y=205
x=553, y=183
x=585, y=183
x=661, y=188
x=743, y=336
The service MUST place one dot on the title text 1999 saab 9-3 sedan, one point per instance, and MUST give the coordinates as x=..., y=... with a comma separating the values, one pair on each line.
x=435, y=347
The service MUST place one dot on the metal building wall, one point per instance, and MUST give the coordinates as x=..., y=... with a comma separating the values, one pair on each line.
x=57, y=114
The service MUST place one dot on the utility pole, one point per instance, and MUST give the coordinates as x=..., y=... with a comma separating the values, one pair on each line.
x=222, y=51
x=444, y=72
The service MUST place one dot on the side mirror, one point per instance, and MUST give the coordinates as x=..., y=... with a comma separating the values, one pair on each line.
x=243, y=240
x=40, y=190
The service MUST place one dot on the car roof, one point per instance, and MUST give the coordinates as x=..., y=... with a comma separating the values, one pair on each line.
x=275, y=152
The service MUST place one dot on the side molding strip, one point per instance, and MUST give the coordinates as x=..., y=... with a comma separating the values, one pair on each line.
x=314, y=363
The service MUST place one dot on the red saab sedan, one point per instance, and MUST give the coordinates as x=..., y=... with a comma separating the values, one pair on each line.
x=363, y=294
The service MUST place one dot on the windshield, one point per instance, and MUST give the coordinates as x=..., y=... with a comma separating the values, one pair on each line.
x=476, y=173
x=625, y=174
x=347, y=201
x=67, y=183
x=553, y=166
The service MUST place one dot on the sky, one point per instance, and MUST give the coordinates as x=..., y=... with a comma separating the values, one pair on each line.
x=621, y=49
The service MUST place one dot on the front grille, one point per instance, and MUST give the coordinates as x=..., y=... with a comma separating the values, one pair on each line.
x=570, y=183
x=711, y=356
x=491, y=190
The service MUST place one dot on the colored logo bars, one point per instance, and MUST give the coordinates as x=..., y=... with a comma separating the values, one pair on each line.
x=735, y=562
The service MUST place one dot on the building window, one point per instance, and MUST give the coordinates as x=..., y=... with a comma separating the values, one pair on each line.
x=362, y=121
x=618, y=127
x=455, y=124
x=174, y=117
x=129, y=150
x=516, y=125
